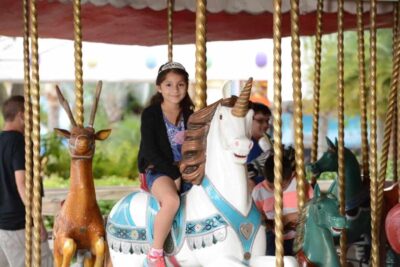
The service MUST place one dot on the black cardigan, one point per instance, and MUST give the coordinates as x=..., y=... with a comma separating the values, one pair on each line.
x=155, y=148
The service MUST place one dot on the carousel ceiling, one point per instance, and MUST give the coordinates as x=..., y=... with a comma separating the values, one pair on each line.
x=144, y=22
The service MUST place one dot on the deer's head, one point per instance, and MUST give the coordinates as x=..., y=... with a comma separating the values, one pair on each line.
x=82, y=139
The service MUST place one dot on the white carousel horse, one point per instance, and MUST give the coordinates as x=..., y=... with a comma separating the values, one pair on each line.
x=217, y=224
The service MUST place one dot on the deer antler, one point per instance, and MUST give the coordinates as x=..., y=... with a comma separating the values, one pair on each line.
x=65, y=105
x=96, y=101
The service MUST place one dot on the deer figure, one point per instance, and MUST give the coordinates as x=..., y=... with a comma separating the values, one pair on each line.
x=79, y=224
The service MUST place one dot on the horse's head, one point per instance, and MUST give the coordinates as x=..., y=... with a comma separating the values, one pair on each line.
x=234, y=126
x=324, y=208
x=222, y=126
x=82, y=139
x=328, y=162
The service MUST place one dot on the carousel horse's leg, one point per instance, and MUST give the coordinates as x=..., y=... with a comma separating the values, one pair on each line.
x=107, y=258
x=57, y=258
x=88, y=262
x=69, y=249
x=99, y=248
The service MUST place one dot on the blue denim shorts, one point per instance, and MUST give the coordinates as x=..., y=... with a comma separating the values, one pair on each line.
x=151, y=176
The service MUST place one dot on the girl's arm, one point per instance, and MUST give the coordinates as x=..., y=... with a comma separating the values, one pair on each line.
x=151, y=150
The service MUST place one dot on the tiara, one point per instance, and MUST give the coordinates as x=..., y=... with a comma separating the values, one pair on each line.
x=171, y=65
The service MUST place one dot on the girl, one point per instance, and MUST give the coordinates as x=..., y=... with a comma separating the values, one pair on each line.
x=162, y=129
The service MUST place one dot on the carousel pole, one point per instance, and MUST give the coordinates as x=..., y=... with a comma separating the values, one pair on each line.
x=373, y=141
x=340, y=89
x=37, y=186
x=317, y=87
x=200, y=98
x=28, y=140
x=170, y=12
x=79, y=109
x=298, y=108
x=396, y=106
x=277, y=124
x=363, y=93
x=388, y=127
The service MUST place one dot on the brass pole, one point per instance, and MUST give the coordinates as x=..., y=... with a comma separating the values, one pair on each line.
x=200, y=98
x=37, y=198
x=170, y=6
x=317, y=86
x=277, y=123
x=340, y=89
x=363, y=92
x=298, y=107
x=79, y=109
x=373, y=141
x=28, y=140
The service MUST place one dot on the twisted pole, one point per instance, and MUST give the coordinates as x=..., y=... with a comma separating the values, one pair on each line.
x=363, y=92
x=373, y=141
x=170, y=12
x=395, y=126
x=298, y=107
x=200, y=98
x=37, y=198
x=317, y=86
x=340, y=89
x=277, y=113
x=28, y=140
x=79, y=109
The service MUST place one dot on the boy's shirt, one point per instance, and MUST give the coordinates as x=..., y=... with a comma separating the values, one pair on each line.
x=263, y=196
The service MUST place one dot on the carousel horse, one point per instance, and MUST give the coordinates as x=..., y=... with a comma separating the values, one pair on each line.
x=79, y=225
x=358, y=212
x=217, y=223
x=357, y=206
x=318, y=223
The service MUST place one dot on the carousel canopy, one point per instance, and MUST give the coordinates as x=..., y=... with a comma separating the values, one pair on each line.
x=144, y=22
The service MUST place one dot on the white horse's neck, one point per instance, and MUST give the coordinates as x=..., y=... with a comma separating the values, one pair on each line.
x=229, y=178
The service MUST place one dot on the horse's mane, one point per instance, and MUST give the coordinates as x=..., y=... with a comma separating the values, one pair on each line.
x=194, y=146
x=300, y=229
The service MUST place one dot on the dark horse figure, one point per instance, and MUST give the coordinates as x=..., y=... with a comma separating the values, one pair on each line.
x=358, y=213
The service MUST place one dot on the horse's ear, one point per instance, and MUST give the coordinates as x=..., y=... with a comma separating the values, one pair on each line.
x=317, y=191
x=62, y=133
x=103, y=134
x=329, y=142
x=226, y=89
x=336, y=142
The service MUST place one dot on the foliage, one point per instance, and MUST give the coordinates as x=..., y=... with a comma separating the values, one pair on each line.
x=116, y=156
x=351, y=71
x=55, y=181
x=104, y=205
x=57, y=156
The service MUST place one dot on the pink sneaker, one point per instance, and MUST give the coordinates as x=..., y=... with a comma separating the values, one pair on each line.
x=154, y=261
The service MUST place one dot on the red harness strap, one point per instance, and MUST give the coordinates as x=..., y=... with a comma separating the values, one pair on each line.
x=303, y=260
x=143, y=183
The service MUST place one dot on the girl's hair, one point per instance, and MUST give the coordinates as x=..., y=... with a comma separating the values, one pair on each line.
x=186, y=103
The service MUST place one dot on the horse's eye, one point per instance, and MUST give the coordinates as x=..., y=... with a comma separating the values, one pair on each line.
x=220, y=116
x=319, y=207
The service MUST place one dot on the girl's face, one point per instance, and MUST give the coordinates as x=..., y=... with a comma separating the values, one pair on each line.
x=173, y=88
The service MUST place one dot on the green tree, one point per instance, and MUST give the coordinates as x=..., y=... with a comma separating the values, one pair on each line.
x=351, y=71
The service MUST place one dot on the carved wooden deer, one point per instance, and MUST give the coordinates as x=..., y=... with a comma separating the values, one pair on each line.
x=79, y=224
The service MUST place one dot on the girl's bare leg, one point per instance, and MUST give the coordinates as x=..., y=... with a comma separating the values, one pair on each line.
x=164, y=189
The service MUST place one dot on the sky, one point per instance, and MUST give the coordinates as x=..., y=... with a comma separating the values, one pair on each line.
x=228, y=61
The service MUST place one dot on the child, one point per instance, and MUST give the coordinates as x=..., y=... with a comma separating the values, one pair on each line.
x=263, y=196
x=162, y=130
